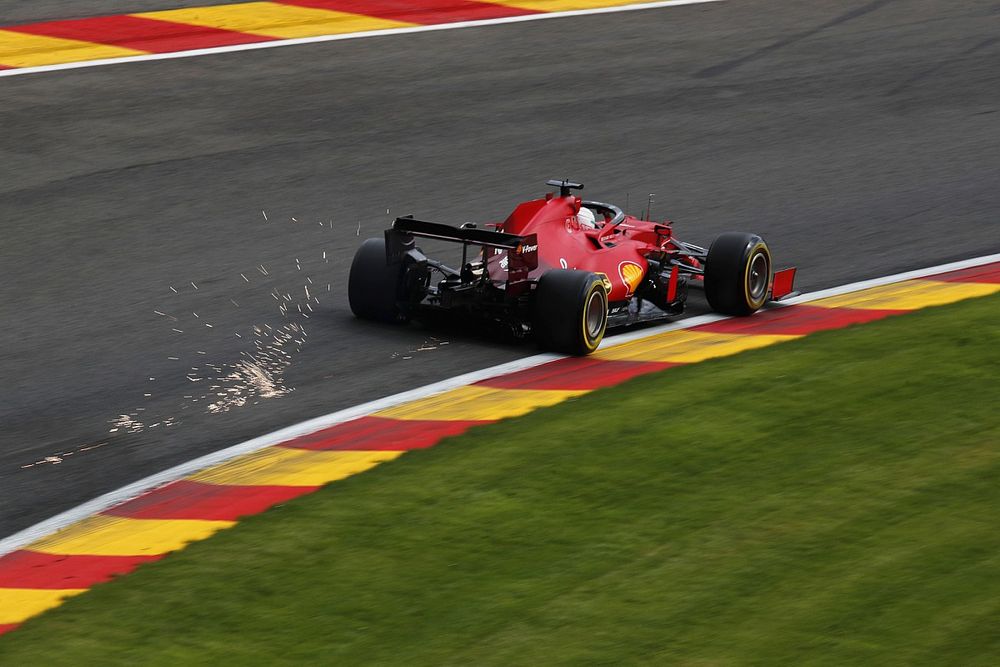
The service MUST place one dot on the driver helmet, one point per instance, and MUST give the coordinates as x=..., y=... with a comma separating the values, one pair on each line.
x=586, y=218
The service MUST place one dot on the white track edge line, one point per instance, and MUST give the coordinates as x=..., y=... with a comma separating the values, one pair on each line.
x=118, y=496
x=18, y=71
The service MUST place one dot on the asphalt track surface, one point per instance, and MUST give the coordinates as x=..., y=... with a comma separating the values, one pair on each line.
x=860, y=138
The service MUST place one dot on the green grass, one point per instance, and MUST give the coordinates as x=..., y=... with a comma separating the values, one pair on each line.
x=830, y=501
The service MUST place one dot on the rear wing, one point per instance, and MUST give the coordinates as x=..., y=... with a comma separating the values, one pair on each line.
x=400, y=241
x=436, y=230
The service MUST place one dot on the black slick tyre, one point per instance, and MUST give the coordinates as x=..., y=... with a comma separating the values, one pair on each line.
x=571, y=311
x=374, y=287
x=737, y=273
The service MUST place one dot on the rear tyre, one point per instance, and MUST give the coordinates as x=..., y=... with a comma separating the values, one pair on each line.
x=737, y=273
x=571, y=311
x=374, y=288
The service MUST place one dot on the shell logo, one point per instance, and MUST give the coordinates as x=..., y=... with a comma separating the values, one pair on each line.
x=631, y=274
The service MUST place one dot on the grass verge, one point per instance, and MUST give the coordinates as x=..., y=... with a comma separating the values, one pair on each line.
x=827, y=501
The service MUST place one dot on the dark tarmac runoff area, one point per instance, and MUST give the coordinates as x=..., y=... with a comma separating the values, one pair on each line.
x=151, y=314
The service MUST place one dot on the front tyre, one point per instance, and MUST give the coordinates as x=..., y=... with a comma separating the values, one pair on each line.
x=737, y=273
x=374, y=287
x=571, y=311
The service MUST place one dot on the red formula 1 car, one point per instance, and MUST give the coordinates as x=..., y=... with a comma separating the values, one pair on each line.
x=562, y=269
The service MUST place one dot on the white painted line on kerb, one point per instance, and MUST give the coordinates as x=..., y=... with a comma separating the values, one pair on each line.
x=351, y=35
x=118, y=496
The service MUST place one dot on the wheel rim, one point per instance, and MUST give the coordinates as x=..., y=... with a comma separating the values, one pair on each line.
x=596, y=311
x=758, y=276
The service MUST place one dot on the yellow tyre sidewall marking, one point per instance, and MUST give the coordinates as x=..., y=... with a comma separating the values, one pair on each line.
x=592, y=345
x=755, y=305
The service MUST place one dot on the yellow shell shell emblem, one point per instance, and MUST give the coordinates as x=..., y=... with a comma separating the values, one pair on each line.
x=631, y=274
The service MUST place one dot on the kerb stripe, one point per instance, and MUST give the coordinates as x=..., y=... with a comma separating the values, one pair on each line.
x=796, y=320
x=32, y=569
x=141, y=34
x=381, y=433
x=187, y=499
x=575, y=373
x=425, y=12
